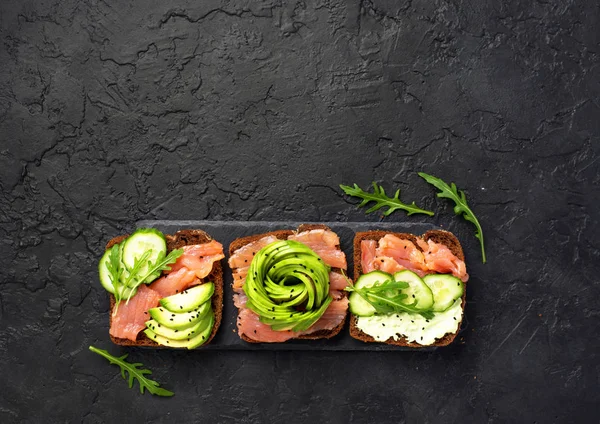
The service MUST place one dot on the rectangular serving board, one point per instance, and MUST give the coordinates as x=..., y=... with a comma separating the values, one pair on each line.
x=226, y=231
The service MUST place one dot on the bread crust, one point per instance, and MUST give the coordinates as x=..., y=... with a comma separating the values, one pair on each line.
x=176, y=241
x=283, y=235
x=438, y=236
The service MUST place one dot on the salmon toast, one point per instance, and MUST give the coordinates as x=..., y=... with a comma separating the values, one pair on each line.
x=428, y=276
x=197, y=263
x=302, y=299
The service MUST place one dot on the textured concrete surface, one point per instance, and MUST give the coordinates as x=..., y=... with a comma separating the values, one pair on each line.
x=112, y=112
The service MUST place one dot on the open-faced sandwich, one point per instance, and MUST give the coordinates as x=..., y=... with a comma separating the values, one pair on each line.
x=409, y=290
x=164, y=290
x=289, y=284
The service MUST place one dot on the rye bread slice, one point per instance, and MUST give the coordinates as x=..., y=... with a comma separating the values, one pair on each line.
x=176, y=241
x=283, y=235
x=438, y=236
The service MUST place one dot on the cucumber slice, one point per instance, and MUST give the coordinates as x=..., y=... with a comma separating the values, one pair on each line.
x=191, y=343
x=359, y=306
x=417, y=290
x=103, y=273
x=181, y=320
x=188, y=299
x=137, y=244
x=446, y=288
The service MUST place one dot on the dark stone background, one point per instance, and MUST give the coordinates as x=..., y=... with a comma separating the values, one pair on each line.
x=112, y=112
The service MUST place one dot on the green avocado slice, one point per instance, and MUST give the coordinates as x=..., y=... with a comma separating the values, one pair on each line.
x=193, y=342
x=174, y=334
x=188, y=299
x=179, y=321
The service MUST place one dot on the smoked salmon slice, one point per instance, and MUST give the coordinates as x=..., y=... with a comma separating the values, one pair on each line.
x=392, y=254
x=402, y=251
x=174, y=282
x=131, y=317
x=325, y=244
x=199, y=258
x=440, y=259
x=249, y=324
x=367, y=249
x=242, y=258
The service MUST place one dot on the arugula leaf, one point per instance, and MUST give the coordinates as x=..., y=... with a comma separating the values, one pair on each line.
x=159, y=266
x=135, y=372
x=381, y=199
x=460, y=199
x=137, y=265
x=115, y=270
x=386, y=298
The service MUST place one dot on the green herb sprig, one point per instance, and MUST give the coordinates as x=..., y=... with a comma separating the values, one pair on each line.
x=381, y=199
x=387, y=298
x=460, y=199
x=135, y=372
x=159, y=266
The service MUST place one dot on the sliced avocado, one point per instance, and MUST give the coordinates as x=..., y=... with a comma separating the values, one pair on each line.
x=181, y=320
x=189, y=299
x=193, y=342
x=174, y=334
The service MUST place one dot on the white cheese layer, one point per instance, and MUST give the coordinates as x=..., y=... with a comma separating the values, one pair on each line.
x=412, y=326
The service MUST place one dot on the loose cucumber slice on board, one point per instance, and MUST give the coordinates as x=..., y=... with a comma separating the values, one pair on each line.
x=416, y=290
x=137, y=244
x=359, y=306
x=446, y=288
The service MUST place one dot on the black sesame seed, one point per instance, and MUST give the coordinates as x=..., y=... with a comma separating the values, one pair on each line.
x=245, y=260
x=381, y=260
x=413, y=296
x=172, y=315
x=180, y=307
x=167, y=341
x=203, y=337
x=158, y=325
x=397, y=316
x=383, y=324
x=176, y=331
x=427, y=320
x=423, y=328
x=171, y=319
x=421, y=337
x=254, y=331
x=454, y=318
x=412, y=321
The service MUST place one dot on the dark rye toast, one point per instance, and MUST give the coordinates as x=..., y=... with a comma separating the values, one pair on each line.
x=176, y=241
x=438, y=236
x=283, y=235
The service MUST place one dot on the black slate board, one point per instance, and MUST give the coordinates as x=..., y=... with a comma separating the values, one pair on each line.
x=227, y=231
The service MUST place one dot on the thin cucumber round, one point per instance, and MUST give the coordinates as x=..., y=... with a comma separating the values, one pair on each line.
x=445, y=288
x=417, y=290
x=140, y=242
x=359, y=306
x=103, y=273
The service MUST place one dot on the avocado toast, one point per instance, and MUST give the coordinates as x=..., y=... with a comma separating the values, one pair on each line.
x=426, y=276
x=180, y=305
x=289, y=284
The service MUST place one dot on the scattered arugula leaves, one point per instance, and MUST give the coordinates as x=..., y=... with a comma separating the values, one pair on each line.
x=460, y=199
x=134, y=372
x=387, y=298
x=381, y=199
